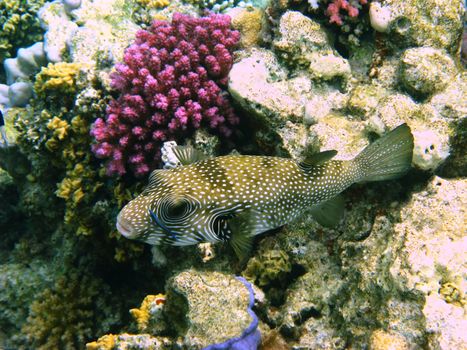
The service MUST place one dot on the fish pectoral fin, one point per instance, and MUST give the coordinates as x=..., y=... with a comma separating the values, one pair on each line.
x=317, y=158
x=188, y=155
x=329, y=213
x=242, y=231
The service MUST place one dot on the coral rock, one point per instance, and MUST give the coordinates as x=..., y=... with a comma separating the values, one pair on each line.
x=208, y=308
x=425, y=71
x=435, y=23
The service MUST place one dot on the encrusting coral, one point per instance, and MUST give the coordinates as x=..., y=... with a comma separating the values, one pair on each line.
x=58, y=79
x=269, y=270
x=63, y=135
x=170, y=84
x=150, y=307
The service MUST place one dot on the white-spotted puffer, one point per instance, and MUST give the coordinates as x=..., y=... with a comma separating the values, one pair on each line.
x=233, y=198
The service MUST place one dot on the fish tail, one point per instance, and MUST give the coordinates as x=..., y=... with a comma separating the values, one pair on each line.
x=388, y=157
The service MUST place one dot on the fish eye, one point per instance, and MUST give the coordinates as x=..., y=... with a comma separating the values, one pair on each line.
x=177, y=209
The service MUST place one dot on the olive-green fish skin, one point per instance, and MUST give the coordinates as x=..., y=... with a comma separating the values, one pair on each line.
x=197, y=202
x=276, y=189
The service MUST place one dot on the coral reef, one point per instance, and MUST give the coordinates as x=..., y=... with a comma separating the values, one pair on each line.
x=18, y=90
x=170, y=84
x=269, y=270
x=149, y=315
x=198, y=308
x=432, y=23
x=304, y=76
x=65, y=316
x=20, y=25
x=20, y=285
x=130, y=341
x=249, y=22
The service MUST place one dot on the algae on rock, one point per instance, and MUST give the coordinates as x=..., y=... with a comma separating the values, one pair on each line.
x=207, y=307
x=435, y=23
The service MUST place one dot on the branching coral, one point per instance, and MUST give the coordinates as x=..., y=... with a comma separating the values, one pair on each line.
x=69, y=314
x=170, y=84
x=337, y=8
x=346, y=16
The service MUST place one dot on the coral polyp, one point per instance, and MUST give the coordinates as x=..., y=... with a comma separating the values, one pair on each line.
x=171, y=82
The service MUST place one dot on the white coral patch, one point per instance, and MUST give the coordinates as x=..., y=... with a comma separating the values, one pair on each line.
x=380, y=17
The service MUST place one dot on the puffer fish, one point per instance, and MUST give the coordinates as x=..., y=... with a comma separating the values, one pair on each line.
x=235, y=197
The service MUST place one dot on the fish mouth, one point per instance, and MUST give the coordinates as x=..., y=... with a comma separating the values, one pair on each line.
x=124, y=227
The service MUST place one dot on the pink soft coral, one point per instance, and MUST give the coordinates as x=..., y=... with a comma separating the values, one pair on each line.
x=350, y=6
x=171, y=82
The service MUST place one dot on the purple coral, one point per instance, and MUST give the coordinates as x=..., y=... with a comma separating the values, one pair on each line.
x=350, y=6
x=171, y=82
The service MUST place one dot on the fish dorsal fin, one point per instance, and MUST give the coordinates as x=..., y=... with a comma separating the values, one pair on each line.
x=317, y=159
x=329, y=213
x=188, y=155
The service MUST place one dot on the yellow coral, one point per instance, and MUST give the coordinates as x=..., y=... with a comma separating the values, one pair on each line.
x=60, y=127
x=453, y=294
x=57, y=77
x=143, y=314
x=383, y=340
x=128, y=251
x=106, y=342
x=68, y=187
x=249, y=23
x=153, y=3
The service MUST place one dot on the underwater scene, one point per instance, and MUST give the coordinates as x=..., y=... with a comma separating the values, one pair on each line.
x=233, y=174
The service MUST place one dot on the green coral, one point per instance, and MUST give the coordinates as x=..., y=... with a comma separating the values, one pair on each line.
x=270, y=269
x=20, y=25
x=20, y=284
x=70, y=313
